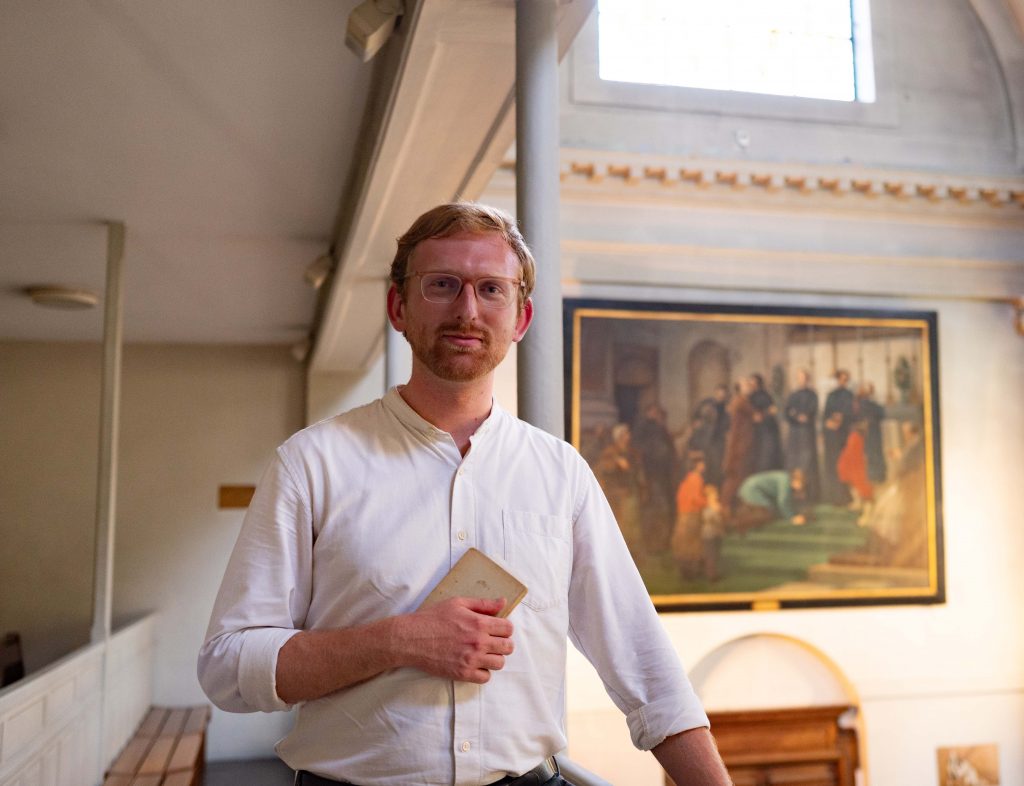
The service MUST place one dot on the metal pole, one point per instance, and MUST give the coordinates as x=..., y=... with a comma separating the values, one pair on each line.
x=110, y=404
x=537, y=193
x=396, y=353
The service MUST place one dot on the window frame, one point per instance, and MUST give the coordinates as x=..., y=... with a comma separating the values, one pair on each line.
x=587, y=88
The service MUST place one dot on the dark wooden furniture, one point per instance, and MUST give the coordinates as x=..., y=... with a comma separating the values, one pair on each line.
x=169, y=749
x=802, y=746
x=12, y=667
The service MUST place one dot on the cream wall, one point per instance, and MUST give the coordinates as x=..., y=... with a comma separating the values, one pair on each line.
x=194, y=418
x=49, y=433
x=927, y=676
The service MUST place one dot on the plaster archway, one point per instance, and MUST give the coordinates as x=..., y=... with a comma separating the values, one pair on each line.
x=776, y=671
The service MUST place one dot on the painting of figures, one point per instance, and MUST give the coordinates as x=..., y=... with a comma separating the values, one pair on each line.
x=763, y=457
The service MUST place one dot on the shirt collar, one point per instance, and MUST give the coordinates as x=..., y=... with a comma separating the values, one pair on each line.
x=398, y=407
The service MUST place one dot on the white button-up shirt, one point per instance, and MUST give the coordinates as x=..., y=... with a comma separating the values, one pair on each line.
x=358, y=518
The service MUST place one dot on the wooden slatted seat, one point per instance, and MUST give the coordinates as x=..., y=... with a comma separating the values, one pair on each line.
x=169, y=749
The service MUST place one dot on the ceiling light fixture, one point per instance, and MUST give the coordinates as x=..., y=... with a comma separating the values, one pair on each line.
x=66, y=298
x=370, y=24
x=318, y=271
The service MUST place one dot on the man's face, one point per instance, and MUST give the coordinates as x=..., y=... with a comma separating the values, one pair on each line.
x=463, y=340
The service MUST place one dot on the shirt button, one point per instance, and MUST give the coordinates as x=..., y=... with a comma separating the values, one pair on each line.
x=462, y=534
x=465, y=746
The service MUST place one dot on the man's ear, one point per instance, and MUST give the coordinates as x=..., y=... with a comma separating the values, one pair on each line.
x=396, y=309
x=524, y=320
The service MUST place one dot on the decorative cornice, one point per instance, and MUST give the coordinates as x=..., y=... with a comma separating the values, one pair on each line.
x=858, y=186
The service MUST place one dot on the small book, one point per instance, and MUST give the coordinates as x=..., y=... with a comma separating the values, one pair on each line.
x=476, y=575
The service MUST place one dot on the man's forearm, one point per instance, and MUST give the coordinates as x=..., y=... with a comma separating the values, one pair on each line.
x=458, y=639
x=691, y=759
x=314, y=663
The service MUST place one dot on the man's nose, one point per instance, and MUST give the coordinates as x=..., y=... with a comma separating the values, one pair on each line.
x=467, y=301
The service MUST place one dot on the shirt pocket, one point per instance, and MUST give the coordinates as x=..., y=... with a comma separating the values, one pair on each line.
x=538, y=551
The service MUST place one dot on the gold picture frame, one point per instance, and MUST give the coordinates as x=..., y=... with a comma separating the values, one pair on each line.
x=763, y=457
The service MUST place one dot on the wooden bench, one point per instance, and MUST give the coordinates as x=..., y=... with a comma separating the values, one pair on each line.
x=169, y=749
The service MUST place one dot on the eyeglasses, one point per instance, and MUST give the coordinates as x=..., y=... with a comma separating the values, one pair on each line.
x=491, y=291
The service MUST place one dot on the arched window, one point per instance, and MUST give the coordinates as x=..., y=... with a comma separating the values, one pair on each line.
x=807, y=48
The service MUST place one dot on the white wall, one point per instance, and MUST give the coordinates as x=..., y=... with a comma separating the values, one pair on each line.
x=194, y=418
x=947, y=72
x=49, y=433
x=926, y=676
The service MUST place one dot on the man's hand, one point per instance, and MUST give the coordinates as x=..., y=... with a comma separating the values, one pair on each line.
x=459, y=639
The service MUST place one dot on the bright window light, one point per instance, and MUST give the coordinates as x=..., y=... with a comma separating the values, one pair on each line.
x=808, y=48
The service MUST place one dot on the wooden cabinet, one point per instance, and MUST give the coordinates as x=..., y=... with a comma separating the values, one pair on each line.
x=802, y=746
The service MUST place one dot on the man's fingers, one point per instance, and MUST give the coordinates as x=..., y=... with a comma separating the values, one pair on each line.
x=502, y=646
x=493, y=662
x=489, y=606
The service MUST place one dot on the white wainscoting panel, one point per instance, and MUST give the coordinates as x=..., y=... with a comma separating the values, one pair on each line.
x=50, y=723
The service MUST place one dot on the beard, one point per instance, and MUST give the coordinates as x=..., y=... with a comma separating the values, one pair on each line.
x=454, y=363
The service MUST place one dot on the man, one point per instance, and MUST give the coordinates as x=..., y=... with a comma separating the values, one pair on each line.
x=802, y=440
x=837, y=417
x=657, y=451
x=766, y=496
x=360, y=516
x=872, y=413
x=619, y=472
x=767, y=438
x=710, y=427
x=738, y=461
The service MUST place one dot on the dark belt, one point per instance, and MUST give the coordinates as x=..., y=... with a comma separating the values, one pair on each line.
x=542, y=773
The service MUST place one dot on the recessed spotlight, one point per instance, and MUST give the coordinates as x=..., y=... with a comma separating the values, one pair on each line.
x=65, y=298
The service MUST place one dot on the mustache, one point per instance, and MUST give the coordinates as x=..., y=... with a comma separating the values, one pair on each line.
x=464, y=328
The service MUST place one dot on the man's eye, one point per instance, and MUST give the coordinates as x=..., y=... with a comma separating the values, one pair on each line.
x=441, y=283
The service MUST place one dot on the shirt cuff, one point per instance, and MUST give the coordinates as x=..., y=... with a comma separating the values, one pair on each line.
x=257, y=668
x=650, y=724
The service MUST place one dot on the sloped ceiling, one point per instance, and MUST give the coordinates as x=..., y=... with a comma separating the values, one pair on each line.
x=445, y=129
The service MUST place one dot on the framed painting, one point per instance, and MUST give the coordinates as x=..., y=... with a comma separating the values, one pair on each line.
x=762, y=457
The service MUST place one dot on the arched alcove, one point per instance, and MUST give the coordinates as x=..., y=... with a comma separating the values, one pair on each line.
x=781, y=709
x=769, y=670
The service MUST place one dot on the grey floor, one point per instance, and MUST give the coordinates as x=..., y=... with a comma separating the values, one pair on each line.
x=255, y=772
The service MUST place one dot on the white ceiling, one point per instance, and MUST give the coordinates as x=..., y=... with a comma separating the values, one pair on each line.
x=238, y=140
x=221, y=134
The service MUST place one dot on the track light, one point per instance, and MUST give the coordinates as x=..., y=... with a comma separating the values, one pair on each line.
x=318, y=271
x=370, y=24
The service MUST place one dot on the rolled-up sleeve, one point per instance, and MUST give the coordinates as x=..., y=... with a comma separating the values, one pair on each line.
x=614, y=624
x=263, y=599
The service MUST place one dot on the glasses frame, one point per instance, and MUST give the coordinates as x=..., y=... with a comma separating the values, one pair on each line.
x=518, y=282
